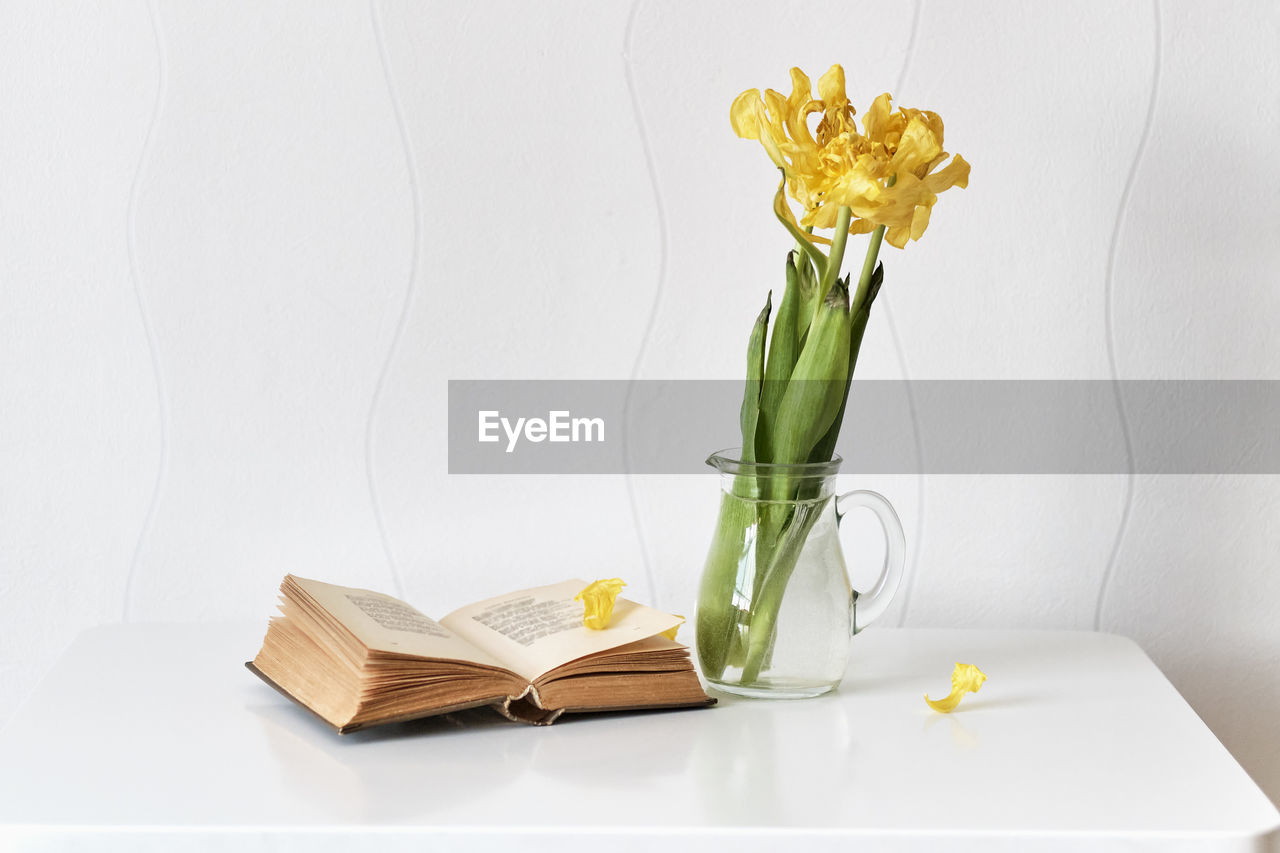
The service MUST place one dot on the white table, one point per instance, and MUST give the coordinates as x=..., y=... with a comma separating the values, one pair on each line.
x=155, y=737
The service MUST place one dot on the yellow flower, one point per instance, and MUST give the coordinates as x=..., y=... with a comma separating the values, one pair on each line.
x=885, y=175
x=597, y=600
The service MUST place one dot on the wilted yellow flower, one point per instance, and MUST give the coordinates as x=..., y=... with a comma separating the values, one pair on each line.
x=884, y=175
x=597, y=602
x=965, y=678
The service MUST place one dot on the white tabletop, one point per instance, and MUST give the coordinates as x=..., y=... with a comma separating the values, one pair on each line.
x=149, y=736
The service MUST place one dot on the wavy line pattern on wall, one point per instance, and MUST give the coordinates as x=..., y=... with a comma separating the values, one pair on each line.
x=903, y=605
x=1121, y=211
x=1194, y=296
x=533, y=265
x=78, y=408
x=131, y=228
x=270, y=242
x=411, y=169
x=660, y=211
x=999, y=289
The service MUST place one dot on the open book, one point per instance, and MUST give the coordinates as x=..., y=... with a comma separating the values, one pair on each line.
x=359, y=658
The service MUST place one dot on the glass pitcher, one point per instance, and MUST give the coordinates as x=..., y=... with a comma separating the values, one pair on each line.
x=775, y=608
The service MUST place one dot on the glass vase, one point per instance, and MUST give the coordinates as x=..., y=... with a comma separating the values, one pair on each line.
x=776, y=612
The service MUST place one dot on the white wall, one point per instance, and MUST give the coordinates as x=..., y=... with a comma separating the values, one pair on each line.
x=243, y=247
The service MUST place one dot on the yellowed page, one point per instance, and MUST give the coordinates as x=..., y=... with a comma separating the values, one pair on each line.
x=387, y=624
x=536, y=630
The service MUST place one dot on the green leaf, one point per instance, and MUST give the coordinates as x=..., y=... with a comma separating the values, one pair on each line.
x=810, y=295
x=784, y=349
x=826, y=446
x=755, y=372
x=814, y=395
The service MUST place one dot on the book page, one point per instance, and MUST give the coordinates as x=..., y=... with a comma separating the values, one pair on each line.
x=387, y=624
x=536, y=630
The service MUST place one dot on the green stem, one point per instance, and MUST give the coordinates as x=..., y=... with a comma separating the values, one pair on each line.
x=868, y=267
x=869, y=263
x=836, y=258
x=723, y=577
x=767, y=601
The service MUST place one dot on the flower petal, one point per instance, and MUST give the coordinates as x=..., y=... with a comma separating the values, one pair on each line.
x=837, y=114
x=861, y=226
x=954, y=174
x=897, y=236
x=769, y=120
x=831, y=85
x=965, y=678
x=597, y=602
x=799, y=105
x=920, y=220
x=917, y=148
x=743, y=116
x=876, y=119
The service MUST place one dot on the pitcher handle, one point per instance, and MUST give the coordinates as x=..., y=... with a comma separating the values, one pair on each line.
x=870, y=605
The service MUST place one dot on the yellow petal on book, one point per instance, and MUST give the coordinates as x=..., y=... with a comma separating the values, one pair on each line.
x=597, y=602
x=671, y=634
x=965, y=678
